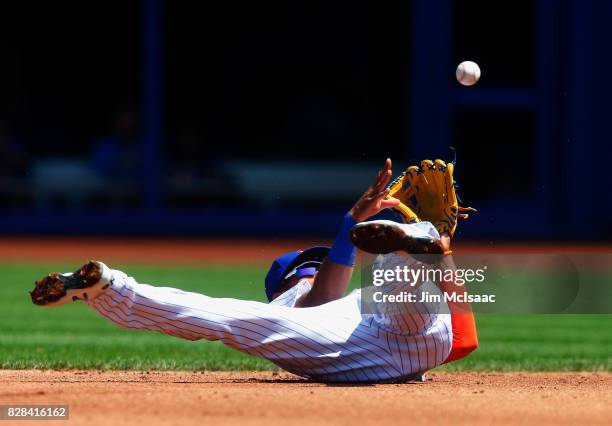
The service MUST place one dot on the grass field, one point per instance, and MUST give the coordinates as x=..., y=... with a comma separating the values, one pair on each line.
x=75, y=336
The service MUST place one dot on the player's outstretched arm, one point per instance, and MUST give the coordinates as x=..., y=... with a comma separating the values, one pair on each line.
x=463, y=323
x=336, y=270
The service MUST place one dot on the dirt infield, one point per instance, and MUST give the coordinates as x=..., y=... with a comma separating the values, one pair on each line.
x=207, y=251
x=146, y=251
x=270, y=398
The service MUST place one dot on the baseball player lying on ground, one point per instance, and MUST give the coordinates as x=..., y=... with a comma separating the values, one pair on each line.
x=310, y=327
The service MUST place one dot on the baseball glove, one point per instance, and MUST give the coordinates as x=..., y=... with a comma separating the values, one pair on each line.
x=427, y=193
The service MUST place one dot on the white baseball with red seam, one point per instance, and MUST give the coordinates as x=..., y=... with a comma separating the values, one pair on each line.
x=468, y=73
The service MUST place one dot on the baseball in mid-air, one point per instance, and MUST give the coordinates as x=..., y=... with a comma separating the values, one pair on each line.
x=468, y=73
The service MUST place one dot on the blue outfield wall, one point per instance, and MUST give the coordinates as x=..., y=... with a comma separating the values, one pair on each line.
x=489, y=225
x=571, y=103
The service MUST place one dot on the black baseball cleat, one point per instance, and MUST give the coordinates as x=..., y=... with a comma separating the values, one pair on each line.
x=386, y=236
x=58, y=289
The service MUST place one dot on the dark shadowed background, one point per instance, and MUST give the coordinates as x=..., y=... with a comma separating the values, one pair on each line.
x=269, y=118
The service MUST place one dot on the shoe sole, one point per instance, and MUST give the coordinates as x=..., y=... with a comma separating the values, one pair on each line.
x=382, y=237
x=58, y=289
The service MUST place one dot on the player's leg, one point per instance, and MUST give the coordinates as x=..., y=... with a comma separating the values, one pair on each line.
x=58, y=289
x=305, y=341
x=380, y=237
x=299, y=338
x=415, y=317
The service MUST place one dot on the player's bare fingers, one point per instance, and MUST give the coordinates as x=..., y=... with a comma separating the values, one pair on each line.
x=386, y=179
x=382, y=172
x=376, y=179
x=388, y=164
x=379, y=181
x=383, y=181
x=389, y=202
x=368, y=195
x=381, y=194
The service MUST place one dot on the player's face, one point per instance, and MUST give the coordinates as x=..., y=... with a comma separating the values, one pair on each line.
x=290, y=282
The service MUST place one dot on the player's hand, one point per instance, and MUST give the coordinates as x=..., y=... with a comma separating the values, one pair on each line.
x=445, y=242
x=375, y=200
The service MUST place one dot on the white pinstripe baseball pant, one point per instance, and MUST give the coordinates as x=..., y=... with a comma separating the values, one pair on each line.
x=332, y=342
